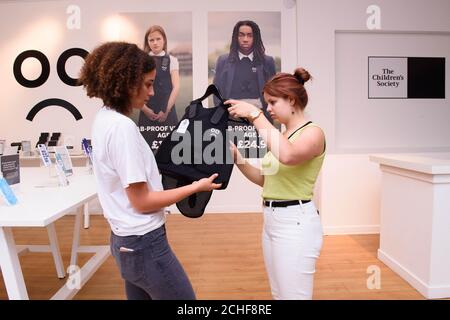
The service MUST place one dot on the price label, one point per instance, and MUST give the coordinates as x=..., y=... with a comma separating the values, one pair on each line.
x=44, y=155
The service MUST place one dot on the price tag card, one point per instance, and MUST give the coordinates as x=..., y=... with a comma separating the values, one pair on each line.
x=44, y=155
x=64, y=155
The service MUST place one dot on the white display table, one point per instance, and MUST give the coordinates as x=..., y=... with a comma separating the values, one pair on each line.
x=41, y=203
x=78, y=160
x=415, y=219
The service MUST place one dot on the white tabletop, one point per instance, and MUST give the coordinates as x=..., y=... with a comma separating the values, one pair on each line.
x=41, y=201
x=431, y=163
x=52, y=155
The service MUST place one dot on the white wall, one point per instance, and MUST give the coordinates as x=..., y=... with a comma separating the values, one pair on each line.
x=350, y=184
x=348, y=188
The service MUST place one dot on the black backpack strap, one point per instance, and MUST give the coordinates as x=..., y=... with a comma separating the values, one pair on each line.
x=299, y=129
x=192, y=110
x=218, y=114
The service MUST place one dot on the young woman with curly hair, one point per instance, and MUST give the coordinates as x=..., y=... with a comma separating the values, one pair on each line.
x=128, y=181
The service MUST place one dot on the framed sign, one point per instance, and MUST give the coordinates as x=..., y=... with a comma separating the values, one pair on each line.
x=244, y=52
x=406, y=78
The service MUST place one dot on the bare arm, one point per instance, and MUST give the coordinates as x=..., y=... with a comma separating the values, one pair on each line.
x=250, y=172
x=175, y=77
x=309, y=145
x=145, y=200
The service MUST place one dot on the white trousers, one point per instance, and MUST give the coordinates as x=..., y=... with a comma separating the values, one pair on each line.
x=292, y=238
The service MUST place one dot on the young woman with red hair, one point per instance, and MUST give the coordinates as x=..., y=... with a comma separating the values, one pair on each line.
x=292, y=233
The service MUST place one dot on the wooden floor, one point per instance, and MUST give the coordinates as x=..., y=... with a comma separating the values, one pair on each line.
x=222, y=256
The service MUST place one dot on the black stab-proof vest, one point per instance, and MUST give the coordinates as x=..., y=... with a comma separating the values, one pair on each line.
x=197, y=148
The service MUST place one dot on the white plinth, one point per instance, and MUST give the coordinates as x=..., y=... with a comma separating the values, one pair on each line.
x=415, y=219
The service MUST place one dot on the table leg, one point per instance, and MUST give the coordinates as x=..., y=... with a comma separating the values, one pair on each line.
x=54, y=247
x=76, y=236
x=10, y=266
x=86, y=215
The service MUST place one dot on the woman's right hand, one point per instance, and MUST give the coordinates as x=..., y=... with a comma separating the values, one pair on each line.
x=149, y=113
x=161, y=116
x=153, y=115
x=207, y=184
x=237, y=157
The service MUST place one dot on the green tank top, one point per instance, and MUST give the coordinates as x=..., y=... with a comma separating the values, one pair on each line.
x=296, y=182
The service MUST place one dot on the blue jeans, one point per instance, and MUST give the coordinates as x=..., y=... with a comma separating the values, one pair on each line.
x=150, y=268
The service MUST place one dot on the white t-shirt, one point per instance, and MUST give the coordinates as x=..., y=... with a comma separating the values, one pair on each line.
x=121, y=157
x=174, y=64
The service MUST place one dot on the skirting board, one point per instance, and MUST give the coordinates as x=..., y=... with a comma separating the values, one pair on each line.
x=427, y=291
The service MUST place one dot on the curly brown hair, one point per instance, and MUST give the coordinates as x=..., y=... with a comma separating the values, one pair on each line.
x=112, y=71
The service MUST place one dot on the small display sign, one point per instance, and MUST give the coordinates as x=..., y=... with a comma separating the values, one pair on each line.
x=44, y=155
x=10, y=168
x=62, y=153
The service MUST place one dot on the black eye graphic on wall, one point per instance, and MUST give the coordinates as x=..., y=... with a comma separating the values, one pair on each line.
x=45, y=72
x=45, y=65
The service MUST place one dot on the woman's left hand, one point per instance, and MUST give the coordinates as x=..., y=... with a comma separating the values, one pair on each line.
x=240, y=109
